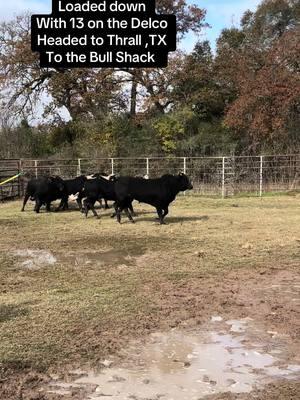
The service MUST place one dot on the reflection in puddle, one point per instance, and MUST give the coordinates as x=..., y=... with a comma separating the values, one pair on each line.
x=183, y=366
x=238, y=325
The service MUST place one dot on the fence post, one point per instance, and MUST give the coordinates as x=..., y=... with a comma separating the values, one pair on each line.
x=79, y=167
x=112, y=166
x=223, y=177
x=36, y=168
x=261, y=177
x=147, y=167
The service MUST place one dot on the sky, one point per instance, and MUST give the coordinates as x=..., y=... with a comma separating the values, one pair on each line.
x=220, y=14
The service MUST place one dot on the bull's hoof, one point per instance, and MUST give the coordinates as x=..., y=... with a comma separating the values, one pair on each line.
x=22, y=210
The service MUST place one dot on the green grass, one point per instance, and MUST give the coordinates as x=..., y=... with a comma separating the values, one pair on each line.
x=76, y=310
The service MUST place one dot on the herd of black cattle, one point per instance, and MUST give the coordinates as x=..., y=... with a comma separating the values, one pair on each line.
x=122, y=191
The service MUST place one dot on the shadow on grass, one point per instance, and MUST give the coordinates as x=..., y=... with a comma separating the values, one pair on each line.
x=168, y=220
x=10, y=311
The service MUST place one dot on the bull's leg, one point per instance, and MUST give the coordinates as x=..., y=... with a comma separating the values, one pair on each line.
x=100, y=202
x=166, y=211
x=92, y=207
x=133, y=213
x=48, y=206
x=160, y=215
x=38, y=205
x=64, y=202
x=62, y=205
x=115, y=213
x=85, y=207
x=79, y=201
x=129, y=215
x=25, y=201
x=118, y=211
x=106, y=205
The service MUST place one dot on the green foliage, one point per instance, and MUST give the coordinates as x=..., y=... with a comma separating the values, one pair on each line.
x=24, y=141
x=172, y=127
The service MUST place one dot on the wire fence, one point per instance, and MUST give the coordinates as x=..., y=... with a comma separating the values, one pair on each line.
x=211, y=176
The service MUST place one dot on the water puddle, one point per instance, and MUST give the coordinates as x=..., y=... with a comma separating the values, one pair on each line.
x=111, y=257
x=238, y=325
x=35, y=259
x=186, y=366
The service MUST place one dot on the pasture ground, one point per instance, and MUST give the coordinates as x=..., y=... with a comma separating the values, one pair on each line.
x=94, y=285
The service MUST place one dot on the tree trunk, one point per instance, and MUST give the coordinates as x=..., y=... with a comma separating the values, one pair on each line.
x=133, y=98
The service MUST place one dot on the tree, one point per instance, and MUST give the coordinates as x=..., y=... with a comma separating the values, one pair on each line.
x=154, y=83
x=258, y=66
x=83, y=92
x=195, y=84
x=268, y=107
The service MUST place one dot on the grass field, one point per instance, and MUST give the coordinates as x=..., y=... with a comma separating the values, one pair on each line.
x=92, y=285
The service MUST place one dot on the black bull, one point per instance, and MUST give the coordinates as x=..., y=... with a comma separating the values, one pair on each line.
x=44, y=190
x=157, y=192
x=96, y=189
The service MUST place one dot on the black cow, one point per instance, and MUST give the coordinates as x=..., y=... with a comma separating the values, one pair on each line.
x=75, y=186
x=44, y=190
x=107, y=177
x=157, y=192
x=100, y=188
x=72, y=187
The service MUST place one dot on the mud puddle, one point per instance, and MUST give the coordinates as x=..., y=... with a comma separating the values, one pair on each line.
x=34, y=259
x=180, y=365
x=111, y=257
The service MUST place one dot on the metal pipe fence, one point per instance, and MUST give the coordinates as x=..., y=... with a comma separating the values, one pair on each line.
x=211, y=176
